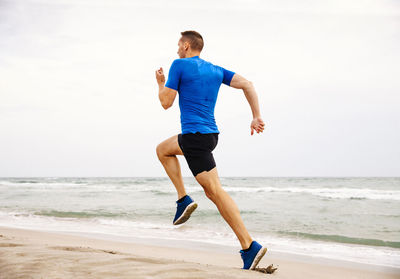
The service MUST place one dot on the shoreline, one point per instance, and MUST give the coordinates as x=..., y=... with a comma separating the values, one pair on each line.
x=141, y=257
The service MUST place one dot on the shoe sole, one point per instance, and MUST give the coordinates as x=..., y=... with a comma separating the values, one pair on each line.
x=258, y=257
x=186, y=214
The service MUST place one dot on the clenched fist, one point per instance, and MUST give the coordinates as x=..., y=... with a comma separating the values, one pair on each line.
x=160, y=76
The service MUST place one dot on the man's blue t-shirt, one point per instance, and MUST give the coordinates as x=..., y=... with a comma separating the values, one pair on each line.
x=197, y=82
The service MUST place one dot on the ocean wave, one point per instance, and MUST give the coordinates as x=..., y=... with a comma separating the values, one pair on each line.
x=332, y=193
x=77, y=214
x=161, y=186
x=92, y=183
x=128, y=215
x=335, y=193
x=26, y=181
x=41, y=184
x=343, y=239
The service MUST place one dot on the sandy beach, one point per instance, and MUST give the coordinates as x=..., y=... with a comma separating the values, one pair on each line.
x=38, y=254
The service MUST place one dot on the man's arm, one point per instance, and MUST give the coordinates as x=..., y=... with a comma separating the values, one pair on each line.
x=240, y=82
x=165, y=94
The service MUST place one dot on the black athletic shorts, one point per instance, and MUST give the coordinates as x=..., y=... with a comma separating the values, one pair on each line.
x=197, y=149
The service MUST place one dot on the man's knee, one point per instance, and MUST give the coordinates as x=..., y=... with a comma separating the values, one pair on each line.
x=160, y=150
x=209, y=184
x=211, y=192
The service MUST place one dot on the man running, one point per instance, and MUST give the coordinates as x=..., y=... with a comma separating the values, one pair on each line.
x=198, y=81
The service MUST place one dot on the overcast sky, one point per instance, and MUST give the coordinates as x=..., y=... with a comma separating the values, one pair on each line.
x=78, y=95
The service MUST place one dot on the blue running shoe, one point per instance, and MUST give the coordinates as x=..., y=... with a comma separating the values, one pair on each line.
x=184, y=209
x=252, y=257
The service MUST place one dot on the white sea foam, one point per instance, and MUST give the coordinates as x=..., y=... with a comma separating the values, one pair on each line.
x=339, y=193
x=335, y=193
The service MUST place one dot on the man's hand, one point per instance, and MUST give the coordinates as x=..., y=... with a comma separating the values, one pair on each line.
x=160, y=76
x=257, y=124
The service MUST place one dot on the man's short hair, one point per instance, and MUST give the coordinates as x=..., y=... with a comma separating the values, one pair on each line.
x=194, y=38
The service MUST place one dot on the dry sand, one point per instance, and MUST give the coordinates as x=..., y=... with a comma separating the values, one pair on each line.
x=36, y=254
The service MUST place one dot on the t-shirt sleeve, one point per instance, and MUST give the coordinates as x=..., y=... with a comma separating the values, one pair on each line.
x=228, y=75
x=174, y=75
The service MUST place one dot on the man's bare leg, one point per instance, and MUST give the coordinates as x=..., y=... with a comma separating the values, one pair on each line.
x=225, y=204
x=166, y=152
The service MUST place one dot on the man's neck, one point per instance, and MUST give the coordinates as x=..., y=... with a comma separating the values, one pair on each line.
x=192, y=55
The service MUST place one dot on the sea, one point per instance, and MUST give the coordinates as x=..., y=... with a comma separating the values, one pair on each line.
x=353, y=219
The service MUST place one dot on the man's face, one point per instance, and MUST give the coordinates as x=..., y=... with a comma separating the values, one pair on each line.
x=182, y=48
